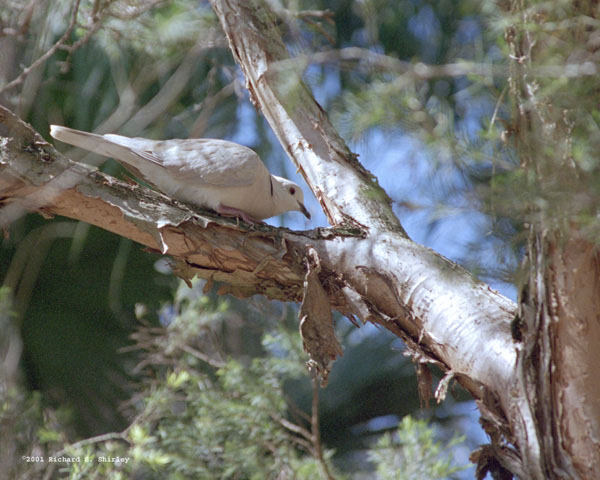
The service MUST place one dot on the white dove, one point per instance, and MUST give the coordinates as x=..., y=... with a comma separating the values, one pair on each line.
x=224, y=176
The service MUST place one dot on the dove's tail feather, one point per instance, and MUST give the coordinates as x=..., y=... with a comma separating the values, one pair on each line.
x=108, y=146
x=85, y=140
x=92, y=142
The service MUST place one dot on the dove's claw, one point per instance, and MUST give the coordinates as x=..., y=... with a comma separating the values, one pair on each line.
x=234, y=212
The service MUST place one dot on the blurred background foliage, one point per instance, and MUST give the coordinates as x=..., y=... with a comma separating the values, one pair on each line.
x=418, y=88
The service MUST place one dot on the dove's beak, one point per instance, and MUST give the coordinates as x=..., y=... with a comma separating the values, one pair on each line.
x=303, y=209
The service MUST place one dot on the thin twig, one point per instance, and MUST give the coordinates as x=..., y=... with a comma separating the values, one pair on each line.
x=26, y=23
x=134, y=12
x=498, y=103
x=169, y=93
x=316, y=434
x=97, y=439
x=492, y=122
x=324, y=14
x=49, y=52
x=206, y=108
x=292, y=427
x=317, y=26
x=425, y=72
x=202, y=356
x=302, y=438
x=296, y=411
x=79, y=43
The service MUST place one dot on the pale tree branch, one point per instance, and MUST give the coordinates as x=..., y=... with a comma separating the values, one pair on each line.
x=444, y=315
x=264, y=260
x=356, y=57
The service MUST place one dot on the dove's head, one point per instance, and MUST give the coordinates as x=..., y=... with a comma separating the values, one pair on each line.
x=288, y=195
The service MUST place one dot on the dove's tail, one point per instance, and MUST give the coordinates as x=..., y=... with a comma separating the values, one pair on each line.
x=114, y=146
x=85, y=140
x=88, y=141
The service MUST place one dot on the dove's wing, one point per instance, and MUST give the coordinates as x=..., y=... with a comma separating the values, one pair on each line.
x=210, y=162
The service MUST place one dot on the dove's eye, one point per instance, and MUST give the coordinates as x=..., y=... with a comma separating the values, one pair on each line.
x=292, y=191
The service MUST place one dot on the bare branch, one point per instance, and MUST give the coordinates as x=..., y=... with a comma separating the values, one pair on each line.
x=316, y=431
x=213, y=362
x=370, y=60
x=121, y=436
x=41, y=60
x=130, y=12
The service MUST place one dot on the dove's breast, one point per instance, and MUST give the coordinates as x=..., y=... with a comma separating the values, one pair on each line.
x=254, y=199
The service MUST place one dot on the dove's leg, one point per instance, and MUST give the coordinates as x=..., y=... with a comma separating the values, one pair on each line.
x=234, y=212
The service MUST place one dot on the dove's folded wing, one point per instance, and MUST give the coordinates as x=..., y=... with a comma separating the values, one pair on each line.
x=201, y=161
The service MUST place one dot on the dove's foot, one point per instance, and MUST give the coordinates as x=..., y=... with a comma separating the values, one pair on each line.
x=234, y=212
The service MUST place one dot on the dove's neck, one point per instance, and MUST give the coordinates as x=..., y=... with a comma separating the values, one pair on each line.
x=281, y=200
x=267, y=201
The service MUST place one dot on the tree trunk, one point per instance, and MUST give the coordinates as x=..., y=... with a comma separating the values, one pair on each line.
x=559, y=311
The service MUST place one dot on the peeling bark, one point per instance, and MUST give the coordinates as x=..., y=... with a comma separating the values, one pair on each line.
x=558, y=325
x=575, y=333
x=316, y=324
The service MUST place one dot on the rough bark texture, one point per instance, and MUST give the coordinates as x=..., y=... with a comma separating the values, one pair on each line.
x=558, y=358
x=575, y=310
x=559, y=311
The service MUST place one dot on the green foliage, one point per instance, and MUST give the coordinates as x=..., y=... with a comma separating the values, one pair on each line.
x=413, y=453
x=200, y=416
x=29, y=429
x=157, y=32
x=75, y=285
